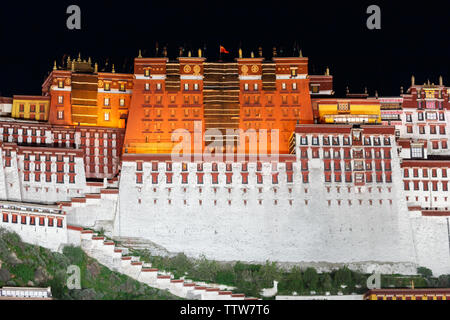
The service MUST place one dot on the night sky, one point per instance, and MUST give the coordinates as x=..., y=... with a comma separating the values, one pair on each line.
x=413, y=38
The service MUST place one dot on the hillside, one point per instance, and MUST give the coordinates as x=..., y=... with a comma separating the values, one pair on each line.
x=23, y=264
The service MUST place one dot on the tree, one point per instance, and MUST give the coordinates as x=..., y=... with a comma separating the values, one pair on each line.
x=424, y=272
x=311, y=278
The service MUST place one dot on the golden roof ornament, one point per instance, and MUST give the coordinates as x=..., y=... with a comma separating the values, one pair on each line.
x=376, y=94
x=252, y=55
x=140, y=54
x=240, y=53
x=96, y=67
x=165, y=51
x=54, y=66
x=401, y=90
x=413, y=80
x=260, y=52
x=300, y=54
x=180, y=51
x=441, y=81
x=199, y=52
x=327, y=71
x=89, y=61
x=189, y=53
x=68, y=62
x=73, y=65
x=274, y=51
x=113, y=70
x=365, y=90
x=79, y=57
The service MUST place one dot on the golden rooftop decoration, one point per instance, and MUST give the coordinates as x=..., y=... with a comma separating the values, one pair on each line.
x=413, y=80
x=240, y=53
x=260, y=51
x=252, y=55
x=54, y=66
x=199, y=53
x=189, y=53
x=165, y=51
x=300, y=54
x=441, y=81
x=327, y=71
x=113, y=70
x=274, y=51
x=140, y=54
x=96, y=67
x=79, y=57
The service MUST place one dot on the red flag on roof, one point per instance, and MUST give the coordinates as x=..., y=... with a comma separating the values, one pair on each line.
x=223, y=50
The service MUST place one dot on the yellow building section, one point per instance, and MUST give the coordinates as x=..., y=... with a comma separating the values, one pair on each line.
x=348, y=112
x=30, y=107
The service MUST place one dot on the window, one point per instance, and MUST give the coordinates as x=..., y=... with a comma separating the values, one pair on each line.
x=442, y=130
x=422, y=129
x=186, y=87
x=60, y=99
x=431, y=116
x=441, y=116
x=246, y=86
x=283, y=86
x=315, y=141
x=122, y=87
x=346, y=141
x=335, y=141
x=294, y=86
x=432, y=129
x=195, y=86
x=147, y=87
x=303, y=140
x=122, y=102
x=409, y=129
x=326, y=141
x=158, y=86
x=408, y=118
x=107, y=86
x=420, y=116
x=147, y=72
x=416, y=152
x=106, y=115
x=255, y=87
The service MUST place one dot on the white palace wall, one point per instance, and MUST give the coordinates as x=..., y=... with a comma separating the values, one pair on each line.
x=297, y=226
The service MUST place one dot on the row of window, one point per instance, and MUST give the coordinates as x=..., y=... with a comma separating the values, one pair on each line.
x=107, y=102
x=215, y=167
x=409, y=129
x=425, y=185
x=335, y=141
x=358, y=166
x=359, y=177
x=41, y=108
x=14, y=218
x=48, y=177
x=428, y=116
x=25, y=132
x=357, y=154
x=107, y=86
x=215, y=178
x=186, y=99
x=284, y=99
x=425, y=172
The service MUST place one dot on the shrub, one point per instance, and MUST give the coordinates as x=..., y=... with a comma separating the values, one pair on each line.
x=75, y=255
x=424, y=272
x=311, y=278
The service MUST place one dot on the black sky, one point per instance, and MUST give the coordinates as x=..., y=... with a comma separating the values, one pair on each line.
x=413, y=39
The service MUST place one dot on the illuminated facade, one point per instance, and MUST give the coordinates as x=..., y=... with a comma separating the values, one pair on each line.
x=337, y=174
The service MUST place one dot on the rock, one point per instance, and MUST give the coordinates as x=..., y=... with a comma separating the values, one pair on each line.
x=93, y=269
x=40, y=275
x=4, y=275
x=30, y=283
x=11, y=283
x=13, y=258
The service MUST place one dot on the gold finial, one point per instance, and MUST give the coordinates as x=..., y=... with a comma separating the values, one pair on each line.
x=274, y=51
x=260, y=51
x=165, y=51
x=113, y=70
x=189, y=53
x=96, y=67
x=79, y=57
x=441, y=81
x=199, y=52
x=413, y=80
x=401, y=90
x=89, y=61
x=327, y=71
x=428, y=82
x=240, y=53
x=180, y=51
x=365, y=90
x=54, y=66
x=376, y=94
x=252, y=55
x=68, y=61
x=300, y=54
x=73, y=65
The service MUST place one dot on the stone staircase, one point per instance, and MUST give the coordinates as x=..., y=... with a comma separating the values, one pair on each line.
x=118, y=259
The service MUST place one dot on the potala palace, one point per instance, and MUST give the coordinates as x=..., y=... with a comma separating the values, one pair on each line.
x=283, y=170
